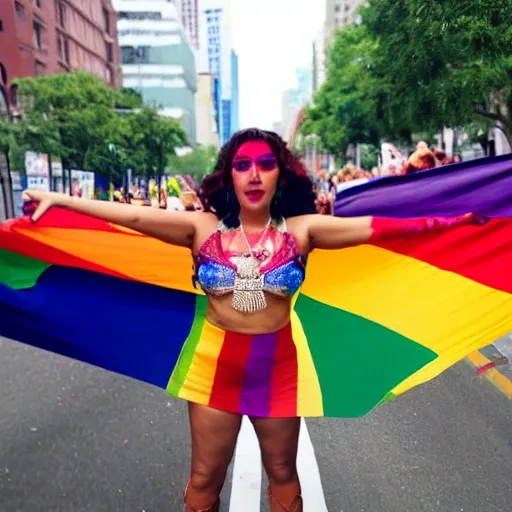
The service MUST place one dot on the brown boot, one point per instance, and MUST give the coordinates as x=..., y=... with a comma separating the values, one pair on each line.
x=276, y=506
x=212, y=508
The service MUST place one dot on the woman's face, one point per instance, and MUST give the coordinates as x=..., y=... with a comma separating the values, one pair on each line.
x=255, y=174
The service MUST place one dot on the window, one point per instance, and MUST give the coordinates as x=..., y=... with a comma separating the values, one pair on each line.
x=136, y=55
x=122, y=15
x=38, y=33
x=40, y=68
x=106, y=21
x=63, y=48
x=110, y=52
x=20, y=11
x=61, y=14
x=1, y=26
x=66, y=51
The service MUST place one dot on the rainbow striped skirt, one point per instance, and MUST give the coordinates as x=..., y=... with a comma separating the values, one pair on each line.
x=255, y=375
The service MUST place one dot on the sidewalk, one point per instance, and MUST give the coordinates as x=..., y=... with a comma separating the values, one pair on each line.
x=495, y=364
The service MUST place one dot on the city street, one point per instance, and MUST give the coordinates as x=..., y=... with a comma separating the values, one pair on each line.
x=78, y=439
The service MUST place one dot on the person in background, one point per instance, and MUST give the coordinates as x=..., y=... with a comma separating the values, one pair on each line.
x=441, y=157
x=420, y=160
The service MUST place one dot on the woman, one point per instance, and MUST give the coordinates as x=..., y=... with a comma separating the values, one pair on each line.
x=250, y=248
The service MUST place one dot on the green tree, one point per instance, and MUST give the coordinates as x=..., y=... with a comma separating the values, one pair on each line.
x=150, y=141
x=197, y=164
x=448, y=63
x=67, y=115
x=109, y=157
x=6, y=134
x=10, y=144
x=127, y=98
x=348, y=108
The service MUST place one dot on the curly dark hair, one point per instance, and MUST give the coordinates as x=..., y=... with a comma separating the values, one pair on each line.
x=294, y=195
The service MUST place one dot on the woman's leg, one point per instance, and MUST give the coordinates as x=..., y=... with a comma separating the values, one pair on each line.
x=214, y=434
x=279, y=439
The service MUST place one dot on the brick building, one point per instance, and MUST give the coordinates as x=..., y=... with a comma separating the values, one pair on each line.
x=40, y=37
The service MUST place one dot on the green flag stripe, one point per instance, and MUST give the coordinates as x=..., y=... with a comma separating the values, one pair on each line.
x=358, y=361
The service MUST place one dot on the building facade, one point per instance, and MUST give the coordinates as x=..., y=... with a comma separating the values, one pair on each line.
x=235, y=94
x=211, y=46
x=216, y=57
x=290, y=107
x=189, y=10
x=338, y=14
x=207, y=134
x=157, y=59
x=318, y=64
x=55, y=36
x=294, y=101
x=304, y=85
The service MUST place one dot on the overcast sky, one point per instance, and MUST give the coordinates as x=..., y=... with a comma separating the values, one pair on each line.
x=272, y=38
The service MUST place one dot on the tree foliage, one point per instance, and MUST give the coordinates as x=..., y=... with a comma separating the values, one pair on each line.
x=6, y=134
x=349, y=108
x=65, y=115
x=9, y=142
x=448, y=63
x=73, y=117
x=150, y=140
x=128, y=98
x=415, y=66
x=197, y=164
x=142, y=141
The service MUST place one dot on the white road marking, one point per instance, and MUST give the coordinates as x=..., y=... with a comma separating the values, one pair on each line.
x=246, y=489
x=247, y=473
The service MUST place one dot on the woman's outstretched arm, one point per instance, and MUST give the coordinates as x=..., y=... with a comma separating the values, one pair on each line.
x=177, y=228
x=327, y=232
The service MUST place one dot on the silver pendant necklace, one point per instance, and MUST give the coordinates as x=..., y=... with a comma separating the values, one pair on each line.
x=248, y=296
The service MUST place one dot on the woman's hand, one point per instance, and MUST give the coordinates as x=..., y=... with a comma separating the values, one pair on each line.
x=37, y=202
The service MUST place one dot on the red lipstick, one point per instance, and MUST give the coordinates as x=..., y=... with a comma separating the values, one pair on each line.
x=255, y=196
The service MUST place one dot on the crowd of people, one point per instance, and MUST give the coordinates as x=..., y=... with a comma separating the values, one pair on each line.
x=179, y=193
x=423, y=158
x=175, y=193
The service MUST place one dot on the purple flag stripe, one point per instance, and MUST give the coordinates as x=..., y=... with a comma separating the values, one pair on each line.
x=255, y=398
x=482, y=186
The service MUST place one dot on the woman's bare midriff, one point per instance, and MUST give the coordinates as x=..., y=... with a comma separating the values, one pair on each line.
x=220, y=313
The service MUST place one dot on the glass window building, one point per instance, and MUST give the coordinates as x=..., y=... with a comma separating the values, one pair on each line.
x=157, y=59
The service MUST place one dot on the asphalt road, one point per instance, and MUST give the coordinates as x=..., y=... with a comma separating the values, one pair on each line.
x=77, y=439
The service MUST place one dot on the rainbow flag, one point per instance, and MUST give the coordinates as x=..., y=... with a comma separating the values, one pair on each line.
x=370, y=322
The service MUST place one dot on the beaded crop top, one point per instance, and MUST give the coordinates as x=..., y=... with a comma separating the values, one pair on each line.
x=282, y=267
